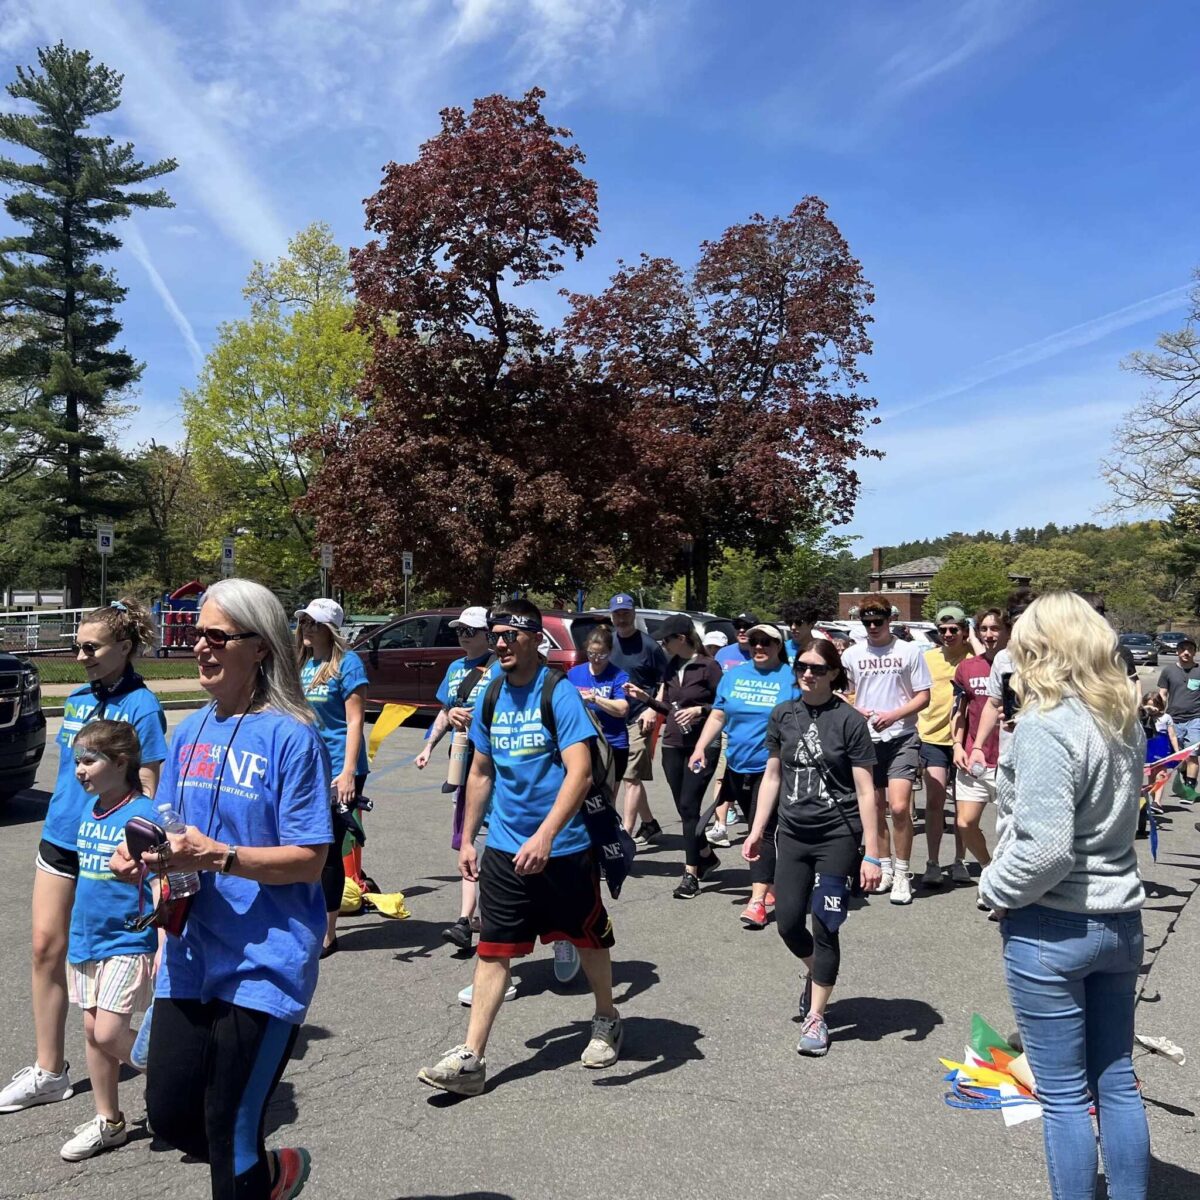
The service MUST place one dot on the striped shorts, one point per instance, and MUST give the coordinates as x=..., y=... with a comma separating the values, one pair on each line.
x=123, y=984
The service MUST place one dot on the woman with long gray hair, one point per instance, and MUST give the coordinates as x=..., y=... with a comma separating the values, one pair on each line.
x=250, y=776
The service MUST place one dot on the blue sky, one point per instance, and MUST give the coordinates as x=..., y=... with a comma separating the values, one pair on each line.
x=1013, y=175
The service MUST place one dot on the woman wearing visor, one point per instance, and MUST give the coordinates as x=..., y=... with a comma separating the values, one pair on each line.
x=744, y=701
x=819, y=787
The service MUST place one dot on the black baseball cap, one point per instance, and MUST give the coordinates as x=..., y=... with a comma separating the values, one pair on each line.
x=746, y=619
x=674, y=626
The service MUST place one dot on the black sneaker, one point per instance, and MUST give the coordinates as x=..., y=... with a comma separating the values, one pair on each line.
x=459, y=934
x=688, y=889
x=648, y=831
x=708, y=863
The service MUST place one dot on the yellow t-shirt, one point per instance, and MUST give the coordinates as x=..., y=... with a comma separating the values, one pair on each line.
x=933, y=723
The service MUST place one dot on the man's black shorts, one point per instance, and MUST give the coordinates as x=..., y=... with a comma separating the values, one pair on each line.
x=562, y=902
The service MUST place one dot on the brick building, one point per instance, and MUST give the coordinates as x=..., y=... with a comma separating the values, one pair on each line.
x=906, y=585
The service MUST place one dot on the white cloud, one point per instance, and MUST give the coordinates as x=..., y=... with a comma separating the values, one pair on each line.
x=136, y=245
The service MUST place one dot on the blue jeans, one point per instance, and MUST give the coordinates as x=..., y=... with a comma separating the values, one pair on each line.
x=1071, y=979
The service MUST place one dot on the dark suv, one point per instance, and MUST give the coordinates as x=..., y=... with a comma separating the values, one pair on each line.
x=22, y=725
x=406, y=658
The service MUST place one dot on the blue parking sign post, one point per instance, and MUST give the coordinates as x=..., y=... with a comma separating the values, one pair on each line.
x=104, y=547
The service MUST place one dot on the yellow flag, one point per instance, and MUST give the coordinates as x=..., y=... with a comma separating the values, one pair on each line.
x=389, y=720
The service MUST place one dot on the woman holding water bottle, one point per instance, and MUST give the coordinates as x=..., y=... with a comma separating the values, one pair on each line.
x=686, y=698
x=250, y=776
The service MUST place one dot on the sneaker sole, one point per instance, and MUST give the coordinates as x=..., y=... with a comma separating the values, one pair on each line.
x=455, y=940
x=473, y=1088
x=92, y=1153
x=559, y=977
x=900, y=901
x=305, y=1171
x=749, y=924
x=812, y=1053
x=612, y=1062
x=64, y=1095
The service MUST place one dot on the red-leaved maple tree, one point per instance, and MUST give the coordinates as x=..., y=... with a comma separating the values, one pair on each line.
x=485, y=449
x=740, y=382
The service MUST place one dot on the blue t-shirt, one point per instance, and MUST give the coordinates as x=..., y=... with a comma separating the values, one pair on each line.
x=102, y=901
x=328, y=701
x=732, y=656
x=528, y=773
x=609, y=685
x=69, y=801
x=248, y=943
x=458, y=670
x=746, y=696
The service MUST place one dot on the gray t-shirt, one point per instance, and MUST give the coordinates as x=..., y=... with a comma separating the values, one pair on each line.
x=1183, y=691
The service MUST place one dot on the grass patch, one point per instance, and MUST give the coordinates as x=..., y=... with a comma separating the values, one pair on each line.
x=67, y=670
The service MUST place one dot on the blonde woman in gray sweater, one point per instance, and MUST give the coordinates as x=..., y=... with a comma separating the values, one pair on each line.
x=1064, y=882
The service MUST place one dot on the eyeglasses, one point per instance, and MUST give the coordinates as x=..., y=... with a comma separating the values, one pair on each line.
x=597, y=654
x=507, y=636
x=217, y=639
x=466, y=631
x=761, y=643
x=741, y=628
x=817, y=669
x=88, y=648
x=874, y=622
x=949, y=629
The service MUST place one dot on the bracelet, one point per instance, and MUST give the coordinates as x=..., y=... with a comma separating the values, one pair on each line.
x=872, y=860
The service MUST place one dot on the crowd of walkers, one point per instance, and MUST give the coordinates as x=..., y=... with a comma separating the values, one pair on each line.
x=205, y=877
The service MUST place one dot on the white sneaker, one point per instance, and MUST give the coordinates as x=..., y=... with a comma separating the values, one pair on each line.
x=464, y=997
x=93, y=1137
x=605, y=1046
x=959, y=872
x=32, y=1085
x=717, y=835
x=901, y=889
x=885, y=882
x=566, y=961
x=933, y=877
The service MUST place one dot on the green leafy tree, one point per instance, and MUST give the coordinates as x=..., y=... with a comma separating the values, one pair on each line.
x=974, y=576
x=273, y=380
x=57, y=302
x=1055, y=570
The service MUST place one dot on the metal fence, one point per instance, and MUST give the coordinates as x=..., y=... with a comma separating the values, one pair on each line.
x=52, y=631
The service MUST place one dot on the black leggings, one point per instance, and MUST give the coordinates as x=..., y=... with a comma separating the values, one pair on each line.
x=212, y=1069
x=744, y=790
x=834, y=857
x=333, y=873
x=688, y=790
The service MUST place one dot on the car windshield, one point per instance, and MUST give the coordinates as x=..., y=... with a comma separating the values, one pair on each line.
x=1136, y=639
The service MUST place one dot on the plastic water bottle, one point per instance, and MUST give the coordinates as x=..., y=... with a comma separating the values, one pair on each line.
x=140, y=1054
x=182, y=883
x=978, y=770
x=684, y=729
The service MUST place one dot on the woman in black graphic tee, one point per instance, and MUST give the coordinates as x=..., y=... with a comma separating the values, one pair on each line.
x=819, y=775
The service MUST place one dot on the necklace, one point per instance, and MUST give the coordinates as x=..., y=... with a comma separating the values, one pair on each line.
x=216, y=800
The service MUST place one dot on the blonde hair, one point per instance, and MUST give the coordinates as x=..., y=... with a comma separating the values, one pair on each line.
x=332, y=667
x=127, y=621
x=1062, y=647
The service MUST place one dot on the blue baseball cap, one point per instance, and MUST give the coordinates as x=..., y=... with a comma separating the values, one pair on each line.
x=621, y=600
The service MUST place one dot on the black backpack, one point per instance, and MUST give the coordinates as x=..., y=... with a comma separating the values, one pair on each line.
x=603, y=767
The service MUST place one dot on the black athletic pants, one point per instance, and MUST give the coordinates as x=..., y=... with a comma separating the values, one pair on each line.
x=799, y=862
x=212, y=1069
x=333, y=873
x=743, y=789
x=688, y=790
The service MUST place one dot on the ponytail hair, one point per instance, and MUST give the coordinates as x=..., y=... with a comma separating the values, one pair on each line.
x=126, y=620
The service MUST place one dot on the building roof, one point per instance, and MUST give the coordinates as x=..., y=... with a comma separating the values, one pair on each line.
x=930, y=565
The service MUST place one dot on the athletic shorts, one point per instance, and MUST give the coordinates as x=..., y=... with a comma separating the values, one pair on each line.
x=54, y=860
x=896, y=759
x=561, y=903
x=976, y=791
x=123, y=984
x=934, y=754
x=639, y=766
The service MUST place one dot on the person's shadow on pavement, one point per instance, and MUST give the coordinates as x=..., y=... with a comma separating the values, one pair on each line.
x=871, y=1019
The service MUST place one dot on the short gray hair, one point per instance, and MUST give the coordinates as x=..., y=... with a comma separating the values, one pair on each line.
x=256, y=608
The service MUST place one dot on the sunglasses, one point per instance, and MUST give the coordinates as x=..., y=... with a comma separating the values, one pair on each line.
x=949, y=629
x=874, y=622
x=507, y=636
x=88, y=648
x=217, y=639
x=762, y=643
x=465, y=631
x=816, y=669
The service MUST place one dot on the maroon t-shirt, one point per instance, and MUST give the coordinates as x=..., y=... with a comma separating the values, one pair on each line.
x=970, y=679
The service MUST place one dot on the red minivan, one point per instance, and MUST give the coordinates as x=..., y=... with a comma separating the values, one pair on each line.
x=406, y=658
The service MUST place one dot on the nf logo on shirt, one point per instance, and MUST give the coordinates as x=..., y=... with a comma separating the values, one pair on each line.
x=833, y=904
x=242, y=767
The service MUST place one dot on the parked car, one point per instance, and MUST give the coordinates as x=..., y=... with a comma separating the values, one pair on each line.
x=406, y=658
x=1141, y=648
x=22, y=725
x=1168, y=641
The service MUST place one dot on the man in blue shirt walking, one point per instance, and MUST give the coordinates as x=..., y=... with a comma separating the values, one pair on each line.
x=539, y=876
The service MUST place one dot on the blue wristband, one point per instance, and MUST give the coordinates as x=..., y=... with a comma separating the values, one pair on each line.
x=873, y=861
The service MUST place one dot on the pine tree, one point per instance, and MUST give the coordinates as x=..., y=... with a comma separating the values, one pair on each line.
x=56, y=305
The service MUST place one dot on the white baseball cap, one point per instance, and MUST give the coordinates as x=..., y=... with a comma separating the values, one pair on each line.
x=473, y=618
x=715, y=637
x=324, y=612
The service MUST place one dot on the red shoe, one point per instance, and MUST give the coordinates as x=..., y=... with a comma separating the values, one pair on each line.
x=754, y=915
x=769, y=898
x=291, y=1173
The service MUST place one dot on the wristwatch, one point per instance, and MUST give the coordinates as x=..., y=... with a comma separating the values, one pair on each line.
x=230, y=859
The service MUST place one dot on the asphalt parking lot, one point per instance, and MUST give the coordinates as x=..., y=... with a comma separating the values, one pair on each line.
x=709, y=1098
